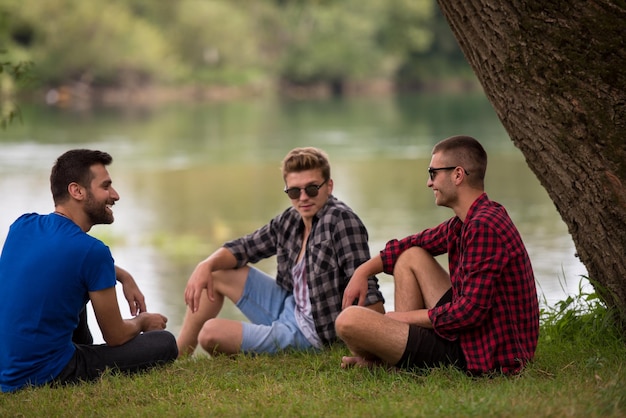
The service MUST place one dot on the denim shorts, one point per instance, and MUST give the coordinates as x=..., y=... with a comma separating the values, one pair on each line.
x=270, y=309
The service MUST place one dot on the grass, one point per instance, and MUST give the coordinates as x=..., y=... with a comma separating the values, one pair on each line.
x=579, y=371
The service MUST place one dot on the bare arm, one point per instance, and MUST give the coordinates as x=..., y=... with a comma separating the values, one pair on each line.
x=136, y=299
x=417, y=317
x=202, y=278
x=115, y=330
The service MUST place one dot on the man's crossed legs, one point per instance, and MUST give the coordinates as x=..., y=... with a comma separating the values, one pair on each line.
x=403, y=338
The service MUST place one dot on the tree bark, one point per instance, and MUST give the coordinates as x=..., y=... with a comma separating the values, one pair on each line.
x=555, y=72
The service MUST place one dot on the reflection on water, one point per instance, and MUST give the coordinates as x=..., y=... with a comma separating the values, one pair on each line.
x=192, y=177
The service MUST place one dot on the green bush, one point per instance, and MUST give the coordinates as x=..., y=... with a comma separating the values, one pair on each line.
x=131, y=43
x=95, y=42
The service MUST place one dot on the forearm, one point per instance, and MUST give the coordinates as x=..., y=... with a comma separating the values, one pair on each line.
x=132, y=293
x=371, y=267
x=221, y=259
x=417, y=317
x=130, y=329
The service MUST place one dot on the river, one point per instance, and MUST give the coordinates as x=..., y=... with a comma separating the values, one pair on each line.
x=192, y=176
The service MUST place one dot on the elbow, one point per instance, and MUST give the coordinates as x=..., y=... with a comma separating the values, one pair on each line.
x=121, y=333
x=478, y=320
x=114, y=340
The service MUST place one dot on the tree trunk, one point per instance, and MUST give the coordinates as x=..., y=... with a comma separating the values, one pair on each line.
x=555, y=72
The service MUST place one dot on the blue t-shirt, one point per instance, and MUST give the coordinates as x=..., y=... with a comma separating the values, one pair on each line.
x=47, y=267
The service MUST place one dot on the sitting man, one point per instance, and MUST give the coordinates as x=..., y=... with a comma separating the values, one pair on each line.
x=483, y=316
x=50, y=268
x=318, y=243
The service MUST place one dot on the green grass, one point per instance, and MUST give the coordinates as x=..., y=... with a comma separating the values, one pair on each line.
x=579, y=371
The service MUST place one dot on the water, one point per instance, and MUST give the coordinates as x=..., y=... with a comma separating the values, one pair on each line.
x=192, y=176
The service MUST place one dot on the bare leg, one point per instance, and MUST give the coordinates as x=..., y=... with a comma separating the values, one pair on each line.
x=372, y=337
x=227, y=283
x=221, y=336
x=419, y=281
x=192, y=324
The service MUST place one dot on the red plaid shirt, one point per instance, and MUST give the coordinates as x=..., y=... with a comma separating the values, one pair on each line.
x=494, y=309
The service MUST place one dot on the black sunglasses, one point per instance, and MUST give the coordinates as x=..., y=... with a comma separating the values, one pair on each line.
x=432, y=172
x=310, y=190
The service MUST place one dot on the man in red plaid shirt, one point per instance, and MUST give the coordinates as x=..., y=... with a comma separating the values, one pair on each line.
x=482, y=316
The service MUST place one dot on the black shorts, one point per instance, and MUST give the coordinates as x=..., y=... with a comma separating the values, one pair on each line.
x=424, y=348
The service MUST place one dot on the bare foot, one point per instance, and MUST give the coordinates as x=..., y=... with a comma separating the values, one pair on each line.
x=185, y=351
x=347, y=362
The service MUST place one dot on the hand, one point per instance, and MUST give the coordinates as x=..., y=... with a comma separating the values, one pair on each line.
x=152, y=321
x=200, y=279
x=358, y=284
x=356, y=290
x=136, y=299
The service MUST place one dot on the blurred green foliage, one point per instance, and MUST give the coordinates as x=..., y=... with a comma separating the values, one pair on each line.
x=11, y=73
x=132, y=43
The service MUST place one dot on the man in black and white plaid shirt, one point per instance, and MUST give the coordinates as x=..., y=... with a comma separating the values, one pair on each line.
x=318, y=243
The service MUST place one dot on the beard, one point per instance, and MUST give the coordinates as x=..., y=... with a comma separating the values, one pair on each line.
x=97, y=211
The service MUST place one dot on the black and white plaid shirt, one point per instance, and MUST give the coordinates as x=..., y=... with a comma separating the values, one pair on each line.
x=336, y=246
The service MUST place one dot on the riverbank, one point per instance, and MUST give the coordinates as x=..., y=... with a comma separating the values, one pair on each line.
x=578, y=372
x=81, y=95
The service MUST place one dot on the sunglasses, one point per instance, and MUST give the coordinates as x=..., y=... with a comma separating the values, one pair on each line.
x=311, y=191
x=432, y=172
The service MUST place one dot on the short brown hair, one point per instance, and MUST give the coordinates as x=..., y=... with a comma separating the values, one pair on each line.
x=74, y=167
x=466, y=152
x=307, y=158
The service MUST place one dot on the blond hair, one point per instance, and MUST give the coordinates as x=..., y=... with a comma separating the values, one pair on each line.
x=306, y=158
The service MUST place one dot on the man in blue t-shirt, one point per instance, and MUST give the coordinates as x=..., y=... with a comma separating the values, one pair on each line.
x=50, y=268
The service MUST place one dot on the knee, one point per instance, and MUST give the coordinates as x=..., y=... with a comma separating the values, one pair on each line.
x=347, y=320
x=170, y=346
x=216, y=336
x=410, y=258
x=412, y=255
x=207, y=338
x=163, y=345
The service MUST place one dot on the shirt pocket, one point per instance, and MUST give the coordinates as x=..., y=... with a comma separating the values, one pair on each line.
x=282, y=256
x=323, y=258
